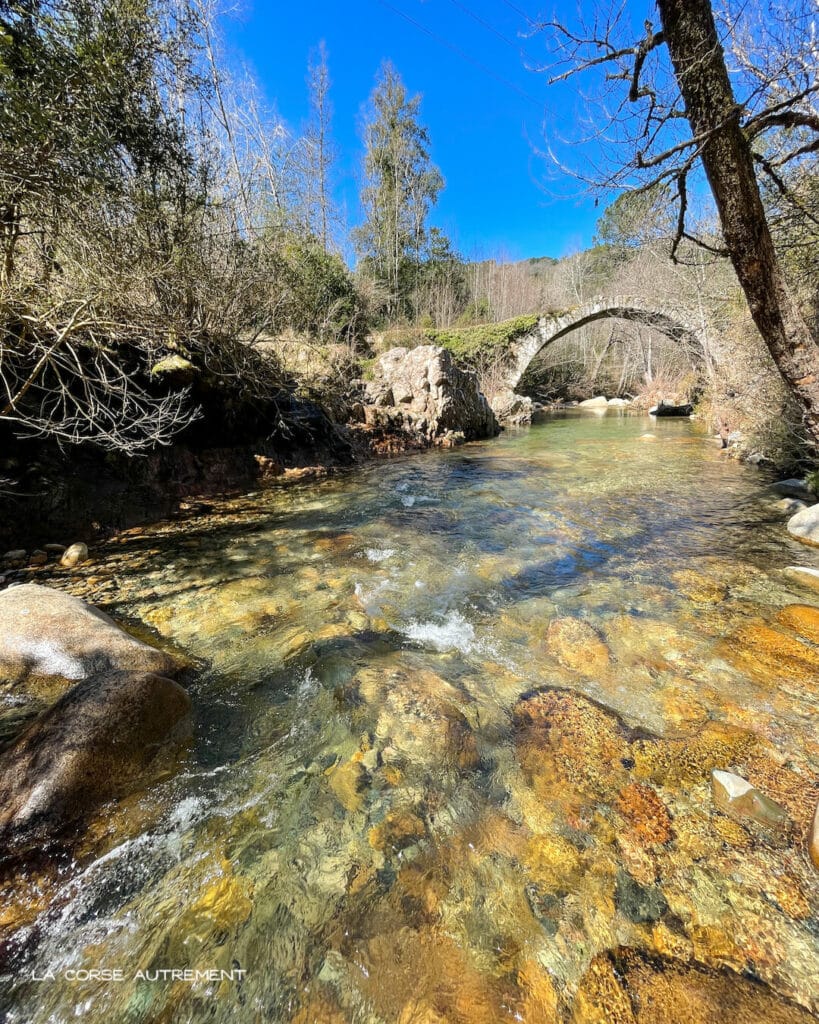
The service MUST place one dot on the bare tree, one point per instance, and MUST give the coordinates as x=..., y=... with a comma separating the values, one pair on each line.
x=731, y=135
x=319, y=145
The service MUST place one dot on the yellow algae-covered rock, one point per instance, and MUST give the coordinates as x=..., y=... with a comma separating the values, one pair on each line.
x=337, y=544
x=601, y=998
x=646, y=814
x=690, y=759
x=496, y=833
x=682, y=711
x=698, y=587
x=398, y=830
x=654, y=644
x=670, y=942
x=698, y=834
x=421, y=1011
x=653, y=990
x=538, y=995
x=552, y=862
x=769, y=654
x=805, y=575
x=349, y=782
x=802, y=619
x=796, y=791
x=813, y=839
x=420, y=718
x=577, y=646
x=407, y=972
x=319, y=1008
x=640, y=861
x=569, y=745
x=424, y=884
x=225, y=901
x=23, y=897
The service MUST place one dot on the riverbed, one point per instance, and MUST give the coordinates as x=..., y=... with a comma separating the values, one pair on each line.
x=456, y=717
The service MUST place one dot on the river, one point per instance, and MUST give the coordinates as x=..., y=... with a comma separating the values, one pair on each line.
x=455, y=722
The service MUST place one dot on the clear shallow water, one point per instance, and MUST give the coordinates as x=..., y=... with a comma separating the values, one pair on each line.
x=454, y=733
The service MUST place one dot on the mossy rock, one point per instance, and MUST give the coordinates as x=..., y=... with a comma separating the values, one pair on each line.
x=174, y=366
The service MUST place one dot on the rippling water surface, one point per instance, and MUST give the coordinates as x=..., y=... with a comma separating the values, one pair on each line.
x=454, y=735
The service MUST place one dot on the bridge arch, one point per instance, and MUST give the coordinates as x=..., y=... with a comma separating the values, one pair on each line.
x=550, y=328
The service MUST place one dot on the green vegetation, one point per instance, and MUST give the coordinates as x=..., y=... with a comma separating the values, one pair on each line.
x=153, y=214
x=482, y=340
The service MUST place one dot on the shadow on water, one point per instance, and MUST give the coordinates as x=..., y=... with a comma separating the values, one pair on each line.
x=404, y=803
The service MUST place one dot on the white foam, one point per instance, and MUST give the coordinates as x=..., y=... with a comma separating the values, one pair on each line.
x=379, y=554
x=454, y=633
x=407, y=500
x=368, y=596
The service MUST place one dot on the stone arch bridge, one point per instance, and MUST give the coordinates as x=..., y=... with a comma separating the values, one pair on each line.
x=675, y=323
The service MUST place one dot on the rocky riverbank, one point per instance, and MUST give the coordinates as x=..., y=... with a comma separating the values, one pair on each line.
x=417, y=398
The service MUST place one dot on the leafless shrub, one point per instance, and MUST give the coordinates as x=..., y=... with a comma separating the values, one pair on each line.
x=62, y=375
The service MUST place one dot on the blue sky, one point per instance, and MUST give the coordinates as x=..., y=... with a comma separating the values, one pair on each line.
x=484, y=129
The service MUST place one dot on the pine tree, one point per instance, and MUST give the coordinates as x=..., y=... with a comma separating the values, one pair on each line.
x=402, y=185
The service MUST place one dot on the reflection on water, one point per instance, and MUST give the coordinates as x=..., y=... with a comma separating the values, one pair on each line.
x=453, y=751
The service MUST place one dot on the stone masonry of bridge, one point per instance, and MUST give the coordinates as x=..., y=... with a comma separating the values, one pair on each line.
x=675, y=323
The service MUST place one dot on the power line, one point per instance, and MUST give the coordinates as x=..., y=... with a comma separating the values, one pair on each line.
x=462, y=54
x=523, y=14
x=486, y=24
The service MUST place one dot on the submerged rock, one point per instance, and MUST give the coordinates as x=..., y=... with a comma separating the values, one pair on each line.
x=789, y=506
x=736, y=796
x=398, y=830
x=47, y=633
x=805, y=575
x=95, y=743
x=640, y=904
x=348, y=782
x=804, y=525
x=577, y=646
x=770, y=654
x=627, y=986
x=15, y=559
x=802, y=619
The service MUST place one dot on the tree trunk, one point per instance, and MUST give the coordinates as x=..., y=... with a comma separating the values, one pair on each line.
x=699, y=64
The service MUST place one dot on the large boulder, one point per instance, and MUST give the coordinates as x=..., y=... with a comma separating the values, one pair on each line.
x=598, y=402
x=511, y=409
x=48, y=634
x=97, y=742
x=106, y=707
x=422, y=392
x=804, y=525
x=668, y=409
x=794, y=488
